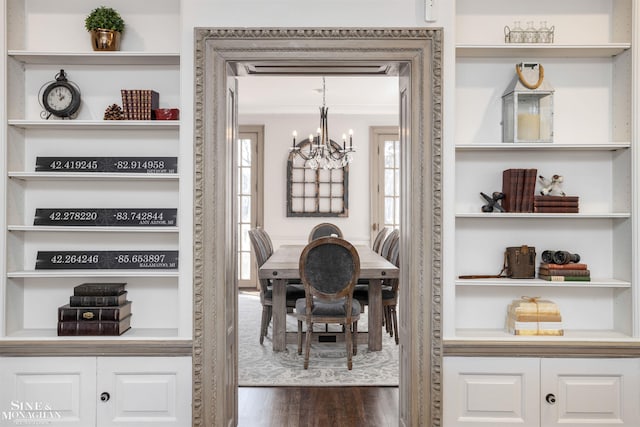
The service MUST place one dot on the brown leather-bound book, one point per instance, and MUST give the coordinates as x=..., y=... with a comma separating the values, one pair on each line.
x=528, y=192
x=99, y=289
x=509, y=189
x=556, y=209
x=519, y=189
x=547, y=198
x=98, y=301
x=94, y=328
x=563, y=272
x=67, y=313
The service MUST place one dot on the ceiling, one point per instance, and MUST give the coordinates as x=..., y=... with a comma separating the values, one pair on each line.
x=303, y=94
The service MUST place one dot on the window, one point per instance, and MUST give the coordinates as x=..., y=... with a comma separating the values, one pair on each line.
x=385, y=178
x=250, y=213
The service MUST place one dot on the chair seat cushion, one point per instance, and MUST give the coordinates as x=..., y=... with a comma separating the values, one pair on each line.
x=294, y=292
x=361, y=292
x=327, y=308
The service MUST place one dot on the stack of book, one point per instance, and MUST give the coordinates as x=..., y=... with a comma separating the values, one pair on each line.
x=138, y=104
x=96, y=309
x=518, y=186
x=556, y=204
x=572, y=272
x=533, y=316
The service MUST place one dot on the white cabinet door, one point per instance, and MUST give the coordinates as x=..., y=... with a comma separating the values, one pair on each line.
x=144, y=390
x=593, y=392
x=53, y=390
x=488, y=392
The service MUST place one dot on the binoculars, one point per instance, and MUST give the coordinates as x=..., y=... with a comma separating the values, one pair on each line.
x=559, y=257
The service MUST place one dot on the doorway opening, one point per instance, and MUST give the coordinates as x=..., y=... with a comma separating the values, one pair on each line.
x=280, y=105
x=415, y=56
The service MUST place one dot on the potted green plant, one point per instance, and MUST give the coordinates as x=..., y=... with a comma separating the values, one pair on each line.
x=106, y=26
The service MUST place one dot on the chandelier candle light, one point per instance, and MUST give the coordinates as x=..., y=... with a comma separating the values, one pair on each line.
x=320, y=151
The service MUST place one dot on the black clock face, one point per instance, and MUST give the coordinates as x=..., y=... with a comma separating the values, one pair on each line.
x=61, y=99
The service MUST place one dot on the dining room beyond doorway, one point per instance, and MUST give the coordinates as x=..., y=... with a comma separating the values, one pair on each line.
x=415, y=56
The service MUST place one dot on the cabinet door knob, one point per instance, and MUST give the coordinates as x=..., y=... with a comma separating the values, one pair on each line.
x=105, y=396
x=550, y=398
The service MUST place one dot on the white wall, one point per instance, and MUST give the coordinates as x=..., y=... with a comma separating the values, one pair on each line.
x=277, y=135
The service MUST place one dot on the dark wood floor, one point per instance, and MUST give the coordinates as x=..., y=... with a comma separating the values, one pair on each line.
x=317, y=406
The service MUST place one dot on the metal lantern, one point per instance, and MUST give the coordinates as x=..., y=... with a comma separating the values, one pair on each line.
x=527, y=106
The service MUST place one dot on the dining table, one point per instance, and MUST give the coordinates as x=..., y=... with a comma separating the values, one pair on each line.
x=283, y=265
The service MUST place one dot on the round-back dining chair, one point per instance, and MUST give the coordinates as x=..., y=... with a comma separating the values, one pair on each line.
x=329, y=269
x=325, y=229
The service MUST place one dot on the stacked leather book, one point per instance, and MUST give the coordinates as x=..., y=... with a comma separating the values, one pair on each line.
x=138, y=104
x=572, y=272
x=96, y=309
x=556, y=204
x=518, y=187
x=533, y=316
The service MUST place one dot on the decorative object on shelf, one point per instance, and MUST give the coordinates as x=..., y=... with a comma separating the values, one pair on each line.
x=494, y=203
x=559, y=257
x=166, y=114
x=543, y=34
x=534, y=316
x=556, y=204
x=59, y=97
x=106, y=217
x=551, y=187
x=96, y=309
x=320, y=151
x=106, y=26
x=567, y=269
x=139, y=104
x=518, y=187
x=106, y=260
x=520, y=262
x=114, y=112
x=527, y=106
x=154, y=165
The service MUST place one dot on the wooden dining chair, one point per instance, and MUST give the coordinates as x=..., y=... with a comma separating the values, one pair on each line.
x=293, y=292
x=391, y=252
x=388, y=241
x=329, y=268
x=325, y=229
x=377, y=242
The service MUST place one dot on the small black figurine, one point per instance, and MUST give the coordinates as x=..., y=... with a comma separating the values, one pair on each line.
x=494, y=202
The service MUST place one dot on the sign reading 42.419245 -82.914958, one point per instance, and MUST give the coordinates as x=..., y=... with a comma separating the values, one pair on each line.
x=108, y=164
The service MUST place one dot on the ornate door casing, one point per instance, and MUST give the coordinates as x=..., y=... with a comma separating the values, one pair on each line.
x=223, y=52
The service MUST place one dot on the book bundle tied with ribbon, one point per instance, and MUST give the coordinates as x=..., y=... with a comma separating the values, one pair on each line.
x=534, y=316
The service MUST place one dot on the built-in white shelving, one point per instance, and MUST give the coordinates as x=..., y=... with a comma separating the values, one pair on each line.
x=589, y=65
x=149, y=59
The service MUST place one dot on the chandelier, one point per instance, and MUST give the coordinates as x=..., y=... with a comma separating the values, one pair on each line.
x=319, y=151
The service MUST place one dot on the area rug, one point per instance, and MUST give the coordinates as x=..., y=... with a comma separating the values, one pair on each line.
x=258, y=365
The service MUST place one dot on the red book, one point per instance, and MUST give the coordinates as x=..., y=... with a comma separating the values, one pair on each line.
x=570, y=266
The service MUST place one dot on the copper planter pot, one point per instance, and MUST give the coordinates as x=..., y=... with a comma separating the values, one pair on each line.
x=108, y=40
